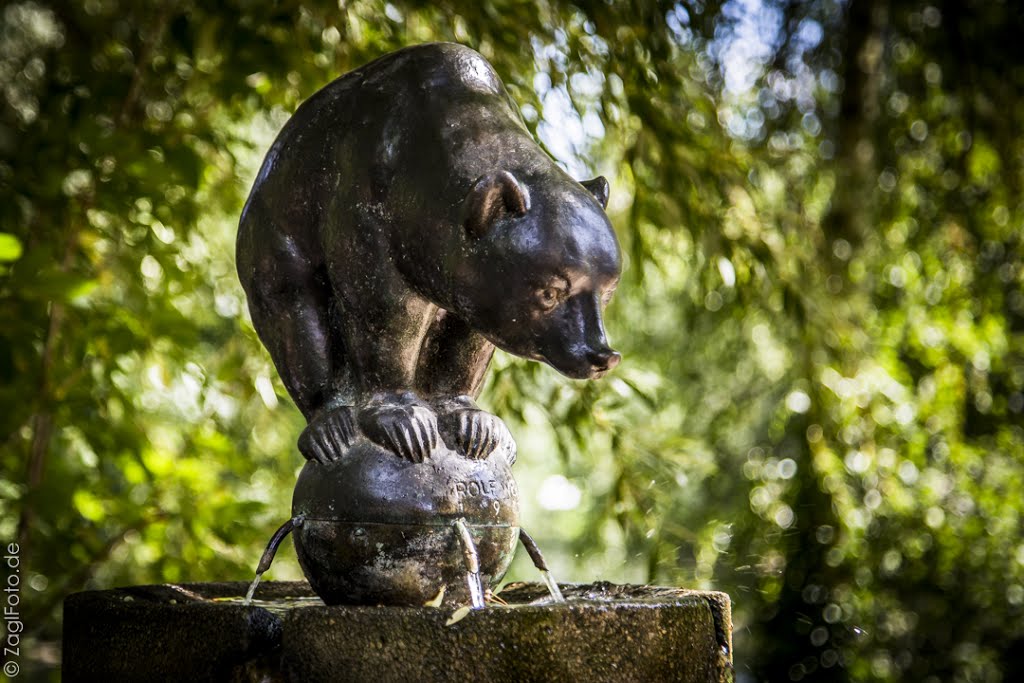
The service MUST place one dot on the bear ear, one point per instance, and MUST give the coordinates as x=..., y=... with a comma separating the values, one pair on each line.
x=599, y=188
x=491, y=196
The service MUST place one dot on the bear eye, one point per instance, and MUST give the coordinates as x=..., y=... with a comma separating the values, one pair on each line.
x=549, y=297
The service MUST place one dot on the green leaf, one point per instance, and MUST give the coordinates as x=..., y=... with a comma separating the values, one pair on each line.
x=458, y=615
x=10, y=247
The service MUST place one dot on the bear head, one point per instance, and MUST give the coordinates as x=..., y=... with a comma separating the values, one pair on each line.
x=540, y=263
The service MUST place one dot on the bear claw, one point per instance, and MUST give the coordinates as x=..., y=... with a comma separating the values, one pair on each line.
x=328, y=435
x=405, y=426
x=475, y=433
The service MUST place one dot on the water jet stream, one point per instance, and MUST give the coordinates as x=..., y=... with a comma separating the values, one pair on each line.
x=252, y=589
x=538, y=561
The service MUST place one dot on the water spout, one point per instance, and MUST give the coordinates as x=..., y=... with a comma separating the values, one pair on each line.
x=268, y=555
x=476, y=587
x=538, y=561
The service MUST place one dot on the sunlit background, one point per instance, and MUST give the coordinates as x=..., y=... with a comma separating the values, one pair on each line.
x=821, y=404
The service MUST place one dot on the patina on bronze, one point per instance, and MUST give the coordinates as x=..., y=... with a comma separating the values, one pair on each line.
x=403, y=225
x=409, y=550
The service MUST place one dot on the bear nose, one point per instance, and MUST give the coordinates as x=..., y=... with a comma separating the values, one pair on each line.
x=603, y=360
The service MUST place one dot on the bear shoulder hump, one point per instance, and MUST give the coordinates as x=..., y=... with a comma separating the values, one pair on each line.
x=452, y=64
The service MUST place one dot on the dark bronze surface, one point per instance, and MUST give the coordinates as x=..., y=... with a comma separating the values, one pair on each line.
x=403, y=224
x=378, y=529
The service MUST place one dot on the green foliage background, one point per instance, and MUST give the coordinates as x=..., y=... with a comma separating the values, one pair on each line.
x=822, y=315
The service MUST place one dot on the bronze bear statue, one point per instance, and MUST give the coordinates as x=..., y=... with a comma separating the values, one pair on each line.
x=403, y=224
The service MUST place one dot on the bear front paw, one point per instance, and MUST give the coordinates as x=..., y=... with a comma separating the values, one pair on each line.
x=402, y=424
x=328, y=435
x=475, y=433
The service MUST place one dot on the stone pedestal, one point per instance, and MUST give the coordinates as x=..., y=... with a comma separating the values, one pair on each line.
x=203, y=632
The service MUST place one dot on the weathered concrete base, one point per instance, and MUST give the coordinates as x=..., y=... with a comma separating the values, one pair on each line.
x=203, y=632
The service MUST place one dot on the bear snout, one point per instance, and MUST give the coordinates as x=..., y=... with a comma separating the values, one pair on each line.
x=602, y=360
